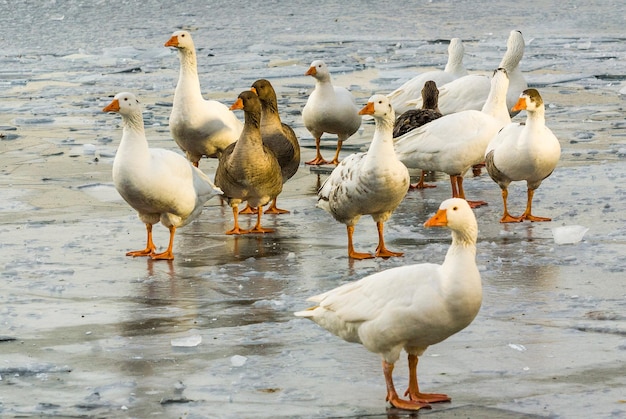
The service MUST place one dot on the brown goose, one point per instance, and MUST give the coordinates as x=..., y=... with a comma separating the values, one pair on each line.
x=414, y=118
x=278, y=137
x=247, y=169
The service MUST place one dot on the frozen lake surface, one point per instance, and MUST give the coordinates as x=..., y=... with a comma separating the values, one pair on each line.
x=87, y=331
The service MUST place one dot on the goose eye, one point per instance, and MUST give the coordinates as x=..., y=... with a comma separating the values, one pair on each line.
x=455, y=208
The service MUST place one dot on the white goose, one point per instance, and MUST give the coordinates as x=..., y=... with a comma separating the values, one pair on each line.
x=200, y=127
x=409, y=307
x=329, y=109
x=371, y=183
x=412, y=89
x=471, y=91
x=454, y=143
x=159, y=184
x=527, y=152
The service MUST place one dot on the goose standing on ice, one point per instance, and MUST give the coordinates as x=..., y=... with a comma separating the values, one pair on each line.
x=409, y=307
x=371, y=183
x=277, y=136
x=454, y=143
x=329, y=109
x=415, y=118
x=411, y=89
x=247, y=169
x=200, y=127
x=527, y=152
x=159, y=184
x=471, y=91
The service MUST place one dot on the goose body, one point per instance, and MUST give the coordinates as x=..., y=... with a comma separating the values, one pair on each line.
x=159, y=184
x=200, y=127
x=277, y=136
x=414, y=118
x=471, y=91
x=454, y=143
x=247, y=170
x=372, y=183
x=523, y=152
x=329, y=109
x=409, y=307
x=411, y=89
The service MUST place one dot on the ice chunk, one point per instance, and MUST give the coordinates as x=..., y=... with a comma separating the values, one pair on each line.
x=89, y=149
x=238, y=360
x=187, y=341
x=517, y=347
x=569, y=234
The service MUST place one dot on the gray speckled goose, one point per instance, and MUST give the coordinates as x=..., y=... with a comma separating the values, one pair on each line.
x=371, y=183
x=247, y=169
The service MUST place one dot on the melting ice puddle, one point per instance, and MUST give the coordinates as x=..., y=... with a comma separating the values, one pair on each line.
x=102, y=192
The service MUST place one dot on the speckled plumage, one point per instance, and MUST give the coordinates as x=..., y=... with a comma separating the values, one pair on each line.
x=372, y=183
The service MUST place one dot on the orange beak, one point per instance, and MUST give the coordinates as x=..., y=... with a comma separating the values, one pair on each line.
x=367, y=109
x=252, y=89
x=114, y=106
x=173, y=42
x=237, y=105
x=311, y=71
x=440, y=219
x=520, y=105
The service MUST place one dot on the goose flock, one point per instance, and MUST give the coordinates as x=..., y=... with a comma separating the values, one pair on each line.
x=448, y=121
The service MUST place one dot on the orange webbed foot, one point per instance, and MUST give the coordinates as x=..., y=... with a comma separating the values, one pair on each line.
x=237, y=230
x=276, y=210
x=249, y=210
x=260, y=230
x=534, y=218
x=386, y=253
x=360, y=256
x=508, y=218
x=428, y=397
x=317, y=161
x=476, y=204
x=144, y=252
x=421, y=185
x=167, y=255
x=407, y=404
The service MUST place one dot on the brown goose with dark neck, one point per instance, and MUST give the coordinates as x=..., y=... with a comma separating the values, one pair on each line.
x=247, y=169
x=415, y=118
x=277, y=136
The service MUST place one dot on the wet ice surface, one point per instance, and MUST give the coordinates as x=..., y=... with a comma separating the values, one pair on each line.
x=85, y=330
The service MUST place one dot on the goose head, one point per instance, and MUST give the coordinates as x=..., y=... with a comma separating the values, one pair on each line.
x=180, y=40
x=530, y=100
x=319, y=70
x=379, y=106
x=124, y=103
x=457, y=215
